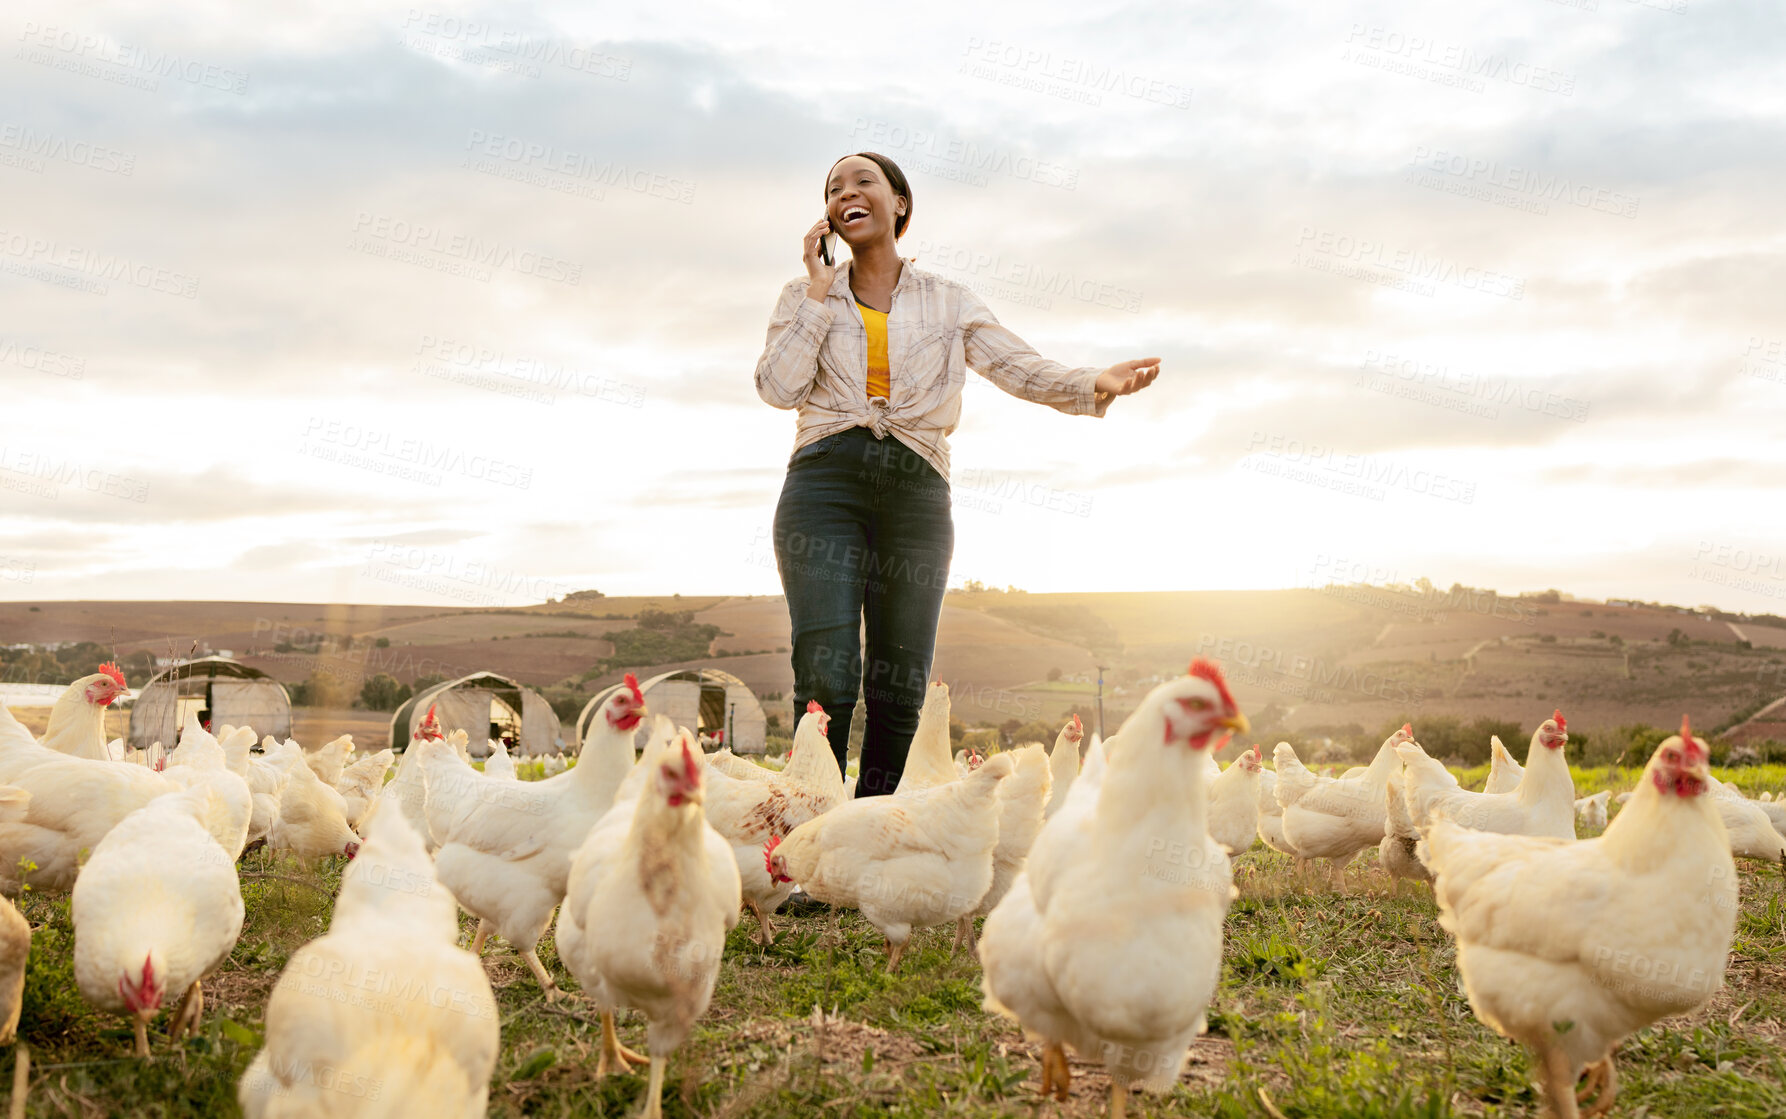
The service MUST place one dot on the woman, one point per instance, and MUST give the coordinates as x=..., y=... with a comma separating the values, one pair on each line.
x=874, y=353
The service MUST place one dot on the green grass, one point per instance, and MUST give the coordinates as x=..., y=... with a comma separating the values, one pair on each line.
x=1331, y=1006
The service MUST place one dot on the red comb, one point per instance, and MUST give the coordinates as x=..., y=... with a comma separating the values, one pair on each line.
x=1686, y=731
x=1408, y=729
x=430, y=727
x=1695, y=753
x=110, y=669
x=1206, y=669
x=813, y=708
x=1076, y=724
x=1556, y=716
x=632, y=682
x=769, y=860
x=1256, y=751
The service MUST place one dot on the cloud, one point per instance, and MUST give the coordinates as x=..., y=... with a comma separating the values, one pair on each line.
x=537, y=298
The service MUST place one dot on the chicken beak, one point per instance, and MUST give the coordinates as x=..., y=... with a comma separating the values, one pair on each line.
x=1235, y=722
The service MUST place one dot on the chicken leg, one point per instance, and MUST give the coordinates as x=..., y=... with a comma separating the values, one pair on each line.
x=483, y=934
x=964, y=934
x=186, y=1019
x=654, y=1105
x=1055, y=1072
x=765, y=931
x=613, y=1053
x=142, y=1036
x=1558, y=1075
x=1119, y=1099
x=1337, y=873
x=894, y=951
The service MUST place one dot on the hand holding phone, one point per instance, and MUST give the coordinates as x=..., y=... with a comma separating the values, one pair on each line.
x=815, y=250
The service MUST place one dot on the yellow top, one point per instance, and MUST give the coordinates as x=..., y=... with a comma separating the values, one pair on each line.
x=876, y=322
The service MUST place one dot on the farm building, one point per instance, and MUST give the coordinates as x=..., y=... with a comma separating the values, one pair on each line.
x=485, y=706
x=704, y=700
x=219, y=690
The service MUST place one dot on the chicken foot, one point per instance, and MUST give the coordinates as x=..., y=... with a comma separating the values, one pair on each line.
x=1602, y=1077
x=553, y=994
x=613, y=1053
x=142, y=1037
x=894, y=951
x=483, y=934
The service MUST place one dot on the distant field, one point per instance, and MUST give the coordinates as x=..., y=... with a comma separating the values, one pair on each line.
x=1337, y=657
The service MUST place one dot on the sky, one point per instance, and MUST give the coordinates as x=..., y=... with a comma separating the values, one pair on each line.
x=350, y=302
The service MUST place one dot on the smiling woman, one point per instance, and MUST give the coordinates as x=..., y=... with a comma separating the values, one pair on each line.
x=873, y=353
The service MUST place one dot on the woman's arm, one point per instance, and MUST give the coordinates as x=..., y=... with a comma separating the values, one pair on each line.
x=1010, y=363
x=790, y=361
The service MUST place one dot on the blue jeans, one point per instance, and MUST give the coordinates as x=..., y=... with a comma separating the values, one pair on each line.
x=863, y=532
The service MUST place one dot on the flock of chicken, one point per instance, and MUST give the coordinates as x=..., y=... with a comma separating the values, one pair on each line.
x=1104, y=881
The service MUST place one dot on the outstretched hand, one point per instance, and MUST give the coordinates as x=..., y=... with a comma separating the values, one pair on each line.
x=1126, y=377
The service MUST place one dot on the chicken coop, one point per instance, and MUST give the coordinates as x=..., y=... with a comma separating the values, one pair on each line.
x=216, y=689
x=705, y=700
x=486, y=706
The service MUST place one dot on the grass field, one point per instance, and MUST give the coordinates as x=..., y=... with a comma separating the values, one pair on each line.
x=1329, y=1006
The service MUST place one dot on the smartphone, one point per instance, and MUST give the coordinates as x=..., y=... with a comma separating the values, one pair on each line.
x=825, y=243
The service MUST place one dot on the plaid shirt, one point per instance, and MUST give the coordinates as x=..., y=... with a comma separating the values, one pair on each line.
x=816, y=360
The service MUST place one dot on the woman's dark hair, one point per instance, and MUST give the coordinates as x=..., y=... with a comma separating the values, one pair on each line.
x=895, y=179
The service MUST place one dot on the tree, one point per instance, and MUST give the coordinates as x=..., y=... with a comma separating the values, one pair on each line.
x=383, y=692
x=1054, y=673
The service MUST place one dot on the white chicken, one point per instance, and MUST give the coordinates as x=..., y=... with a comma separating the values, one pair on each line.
x=408, y=791
x=554, y=764
x=907, y=861
x=266, y=782
x=15, y=932
x=1398, y=854
x=327, y=760
x=1334, y=818
x=927, y=760
x=74, y=802
x=751, y=813
x=736, y=767
x=1234, y=803
x=1271, y=816
x=506, y=846
x=361, y=782
x=1063, y=764
x=653, y=892
x=1023, y=800
x=1111, y=939
x=1590, y=811
x=312, y=820
x=388, y=982
x=1752, y=832
x=498, y=766
x=199, y=759
x=1543, y=804
x=156, y=908
x=1504, y=774
x=1562, y=945
x=77, y=721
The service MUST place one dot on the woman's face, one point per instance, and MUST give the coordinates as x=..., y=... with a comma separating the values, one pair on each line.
x=860, y=202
